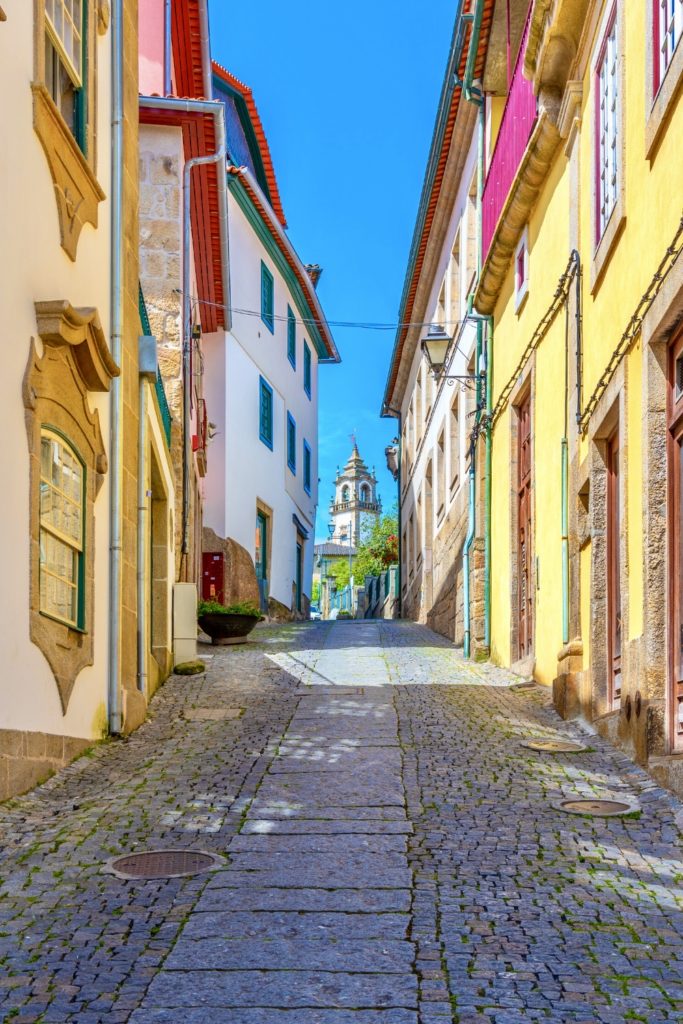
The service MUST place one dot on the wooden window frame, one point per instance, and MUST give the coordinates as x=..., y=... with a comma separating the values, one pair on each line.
x=307, y=467
x=291, y=337
x=266, y=435
x=308, y=369
x=78, y=548
x=291, y=443
x=267, y=298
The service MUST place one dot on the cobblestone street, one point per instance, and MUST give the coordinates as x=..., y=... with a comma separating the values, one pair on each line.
x=391, y=853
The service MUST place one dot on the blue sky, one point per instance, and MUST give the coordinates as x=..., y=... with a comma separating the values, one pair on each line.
x=347, y=94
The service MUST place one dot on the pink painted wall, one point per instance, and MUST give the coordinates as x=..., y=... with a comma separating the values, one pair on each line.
x=151, y=46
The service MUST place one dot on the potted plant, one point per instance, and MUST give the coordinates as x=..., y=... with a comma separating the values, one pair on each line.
x=228, y=624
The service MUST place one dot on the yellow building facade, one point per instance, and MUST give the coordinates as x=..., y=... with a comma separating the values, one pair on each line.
x=583, y=287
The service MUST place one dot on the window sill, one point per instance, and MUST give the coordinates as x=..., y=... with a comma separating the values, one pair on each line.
x=608, y=243
x=77, y=191
x=661, y=105
x=521, y=298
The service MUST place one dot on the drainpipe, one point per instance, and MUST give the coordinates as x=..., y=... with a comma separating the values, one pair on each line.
x=142, y=536
x=470, y=92
x=168, y=50
x=217, y=109
x=487, y=485
x=564, y=444
x=396, y=413
x=466, y=553
x=114, y=711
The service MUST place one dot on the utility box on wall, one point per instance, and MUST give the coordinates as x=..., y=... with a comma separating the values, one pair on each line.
x=213, y=576
x=184, y=622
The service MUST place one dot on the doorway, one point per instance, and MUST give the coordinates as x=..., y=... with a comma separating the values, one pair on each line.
x=525, y=595
x=614, y=611
x=261, y=557
x=675, y=495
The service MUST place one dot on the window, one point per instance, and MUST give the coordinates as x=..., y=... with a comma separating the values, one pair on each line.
x=65, y=35
x=522, y=269
x=61, y=530
x=455, y=443
x=266, y=413
x=668, y=26
x=441, y=474
x=267, y=291
x=291, y=442
x=291, y=337
x=346, y=493
x=307, y=369
x=307, y=467
x=365, y=493
x=607, y=129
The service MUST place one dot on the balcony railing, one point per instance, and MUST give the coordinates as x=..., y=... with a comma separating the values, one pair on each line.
x=519, y=117
x=345, y=506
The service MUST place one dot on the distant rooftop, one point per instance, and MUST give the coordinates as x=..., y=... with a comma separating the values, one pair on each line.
x=329, y=548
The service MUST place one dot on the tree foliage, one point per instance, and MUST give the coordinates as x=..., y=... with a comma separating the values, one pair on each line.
x=377, y=550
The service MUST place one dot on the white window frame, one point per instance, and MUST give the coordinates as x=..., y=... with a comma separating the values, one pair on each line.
x=670, y=32
x=522, y=288
x=608, y=128
x=69, y=15
x=51, y=532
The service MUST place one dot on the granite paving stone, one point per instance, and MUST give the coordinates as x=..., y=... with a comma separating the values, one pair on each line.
x=391, y=853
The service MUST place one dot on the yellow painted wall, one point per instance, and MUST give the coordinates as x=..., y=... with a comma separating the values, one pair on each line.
x=548, y=256
x=653, y=204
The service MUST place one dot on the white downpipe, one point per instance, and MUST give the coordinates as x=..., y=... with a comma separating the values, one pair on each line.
x=143, y=499
x=114, y=710
x=168, y=49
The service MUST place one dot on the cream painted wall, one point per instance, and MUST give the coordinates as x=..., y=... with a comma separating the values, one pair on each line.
x=35, y=267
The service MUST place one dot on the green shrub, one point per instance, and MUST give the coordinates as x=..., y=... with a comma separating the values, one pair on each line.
x=189, y=668
x=240, y=608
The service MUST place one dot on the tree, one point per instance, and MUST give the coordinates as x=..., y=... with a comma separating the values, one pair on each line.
x=377, y=550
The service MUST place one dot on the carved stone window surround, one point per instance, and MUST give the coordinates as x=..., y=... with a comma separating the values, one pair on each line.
x=75, y=360
x=659, y=105
x=73, y=172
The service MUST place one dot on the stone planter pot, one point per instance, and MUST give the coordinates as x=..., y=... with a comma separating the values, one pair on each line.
x=227, y=628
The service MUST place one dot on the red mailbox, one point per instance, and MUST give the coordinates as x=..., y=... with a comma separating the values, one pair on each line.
x=213, y=576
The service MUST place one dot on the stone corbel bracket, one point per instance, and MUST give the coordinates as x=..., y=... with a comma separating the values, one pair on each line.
x=77, y=190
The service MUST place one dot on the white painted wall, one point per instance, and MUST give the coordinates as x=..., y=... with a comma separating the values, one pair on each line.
x=439, y=417
x=241, y=468
x=35, y=267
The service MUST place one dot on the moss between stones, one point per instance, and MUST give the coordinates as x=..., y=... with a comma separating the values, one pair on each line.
x=189, y=668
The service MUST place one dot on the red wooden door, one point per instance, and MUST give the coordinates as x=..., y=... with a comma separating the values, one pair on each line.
x=525, y=540
x=614, y=622
x=213, y=576
x=675, y=489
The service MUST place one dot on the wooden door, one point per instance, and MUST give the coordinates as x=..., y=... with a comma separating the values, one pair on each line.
x=525, y=540
x=614, y=621
x=675, y=491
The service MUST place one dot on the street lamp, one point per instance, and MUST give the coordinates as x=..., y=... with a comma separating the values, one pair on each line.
x=435, y=348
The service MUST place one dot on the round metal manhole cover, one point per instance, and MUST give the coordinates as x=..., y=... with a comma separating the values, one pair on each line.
x=554, y=746
x=162, y=864
x=597, y=808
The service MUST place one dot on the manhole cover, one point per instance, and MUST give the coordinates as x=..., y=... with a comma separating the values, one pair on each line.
x=211, y=714
x=554, y=746
x=598, y=808
x=162, y=864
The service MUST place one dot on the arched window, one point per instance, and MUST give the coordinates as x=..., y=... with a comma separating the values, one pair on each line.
x=61, y=530
x=364, y=492
x=346, y=493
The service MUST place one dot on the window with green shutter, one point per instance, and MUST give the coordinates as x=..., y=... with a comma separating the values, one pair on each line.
x=291, y=442
x=267, y=303
x=307, y=369
x=291, y=337
x=307, y=467
x=266, y=413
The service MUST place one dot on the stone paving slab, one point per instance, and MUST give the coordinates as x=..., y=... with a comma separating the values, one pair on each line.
x=352, y=901
x=316, y=844
x=216, y=1015
x=320, y=826
x=359, y=956
x=289, y=925
x=282, y=989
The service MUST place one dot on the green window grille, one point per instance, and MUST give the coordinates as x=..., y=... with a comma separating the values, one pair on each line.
x=307, y=369
x=291, y=442
x=266, y=413
x=267, y=301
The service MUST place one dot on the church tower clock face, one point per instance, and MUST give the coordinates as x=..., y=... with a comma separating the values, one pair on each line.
x=355, y=501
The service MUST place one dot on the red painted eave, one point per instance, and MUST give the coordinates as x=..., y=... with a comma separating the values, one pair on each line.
x=257, y=124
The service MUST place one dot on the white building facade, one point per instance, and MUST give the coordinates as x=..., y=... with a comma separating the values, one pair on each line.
x=261, y=380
